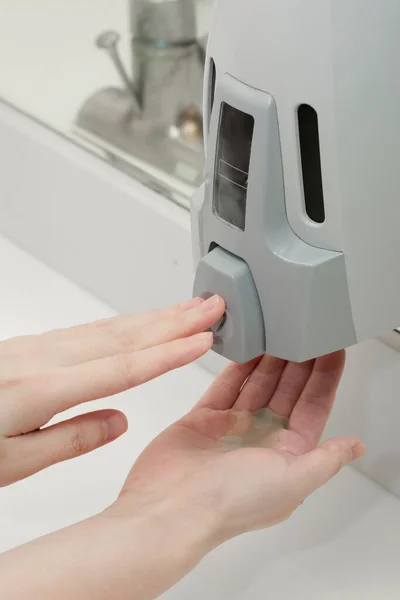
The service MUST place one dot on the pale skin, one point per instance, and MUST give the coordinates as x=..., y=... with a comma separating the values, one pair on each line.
x=186, y=494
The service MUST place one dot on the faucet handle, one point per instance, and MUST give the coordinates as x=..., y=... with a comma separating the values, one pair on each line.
x=108, y=41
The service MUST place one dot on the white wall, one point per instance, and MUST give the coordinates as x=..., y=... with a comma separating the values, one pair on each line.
x=368, y=405
x=132, y=249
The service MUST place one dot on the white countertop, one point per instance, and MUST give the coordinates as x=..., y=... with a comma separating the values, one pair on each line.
x=344, y=543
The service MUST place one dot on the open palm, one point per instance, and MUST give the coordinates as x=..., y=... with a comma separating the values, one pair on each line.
x=205, y=460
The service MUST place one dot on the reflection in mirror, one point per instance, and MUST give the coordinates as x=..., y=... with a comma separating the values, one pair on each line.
x=121, y=77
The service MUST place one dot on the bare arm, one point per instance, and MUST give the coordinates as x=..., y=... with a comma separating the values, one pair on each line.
x=107, y=557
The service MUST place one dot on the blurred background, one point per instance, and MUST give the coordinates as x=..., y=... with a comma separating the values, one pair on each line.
x=122, y=78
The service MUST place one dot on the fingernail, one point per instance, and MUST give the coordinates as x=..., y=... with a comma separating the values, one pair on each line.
x=211, y=303
x=116, y=426
x=358, y=451
x=207, y=336
x=192, y=303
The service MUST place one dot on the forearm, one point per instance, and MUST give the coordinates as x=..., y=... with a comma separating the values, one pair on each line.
x=106, y=557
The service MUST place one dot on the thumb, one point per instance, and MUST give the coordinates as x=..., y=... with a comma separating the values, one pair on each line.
x=315, y=469
x=33, y=452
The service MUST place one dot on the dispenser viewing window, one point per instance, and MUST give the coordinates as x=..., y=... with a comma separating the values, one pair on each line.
x=235, y=138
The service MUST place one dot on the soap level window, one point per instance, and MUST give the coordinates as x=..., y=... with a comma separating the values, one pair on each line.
x=235, y=137
x=310, y=154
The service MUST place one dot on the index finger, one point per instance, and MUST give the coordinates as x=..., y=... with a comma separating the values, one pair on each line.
x=117, y=335
x=121, y=323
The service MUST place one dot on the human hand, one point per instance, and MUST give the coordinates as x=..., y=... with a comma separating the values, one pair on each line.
x=190, y=491
x=41, y=376
x=193, y=468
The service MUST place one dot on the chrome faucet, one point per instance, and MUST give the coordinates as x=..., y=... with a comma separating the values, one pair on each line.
x=156, y=116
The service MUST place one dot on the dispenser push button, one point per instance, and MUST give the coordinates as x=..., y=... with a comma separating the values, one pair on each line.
x=240, y=336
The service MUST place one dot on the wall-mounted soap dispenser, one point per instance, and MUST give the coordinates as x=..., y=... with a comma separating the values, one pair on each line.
x=297, y=223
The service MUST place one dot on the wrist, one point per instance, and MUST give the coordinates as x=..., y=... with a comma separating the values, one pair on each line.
x=184, y=531
x=128, y=551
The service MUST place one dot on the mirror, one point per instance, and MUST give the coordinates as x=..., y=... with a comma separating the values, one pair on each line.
x=119, y=79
